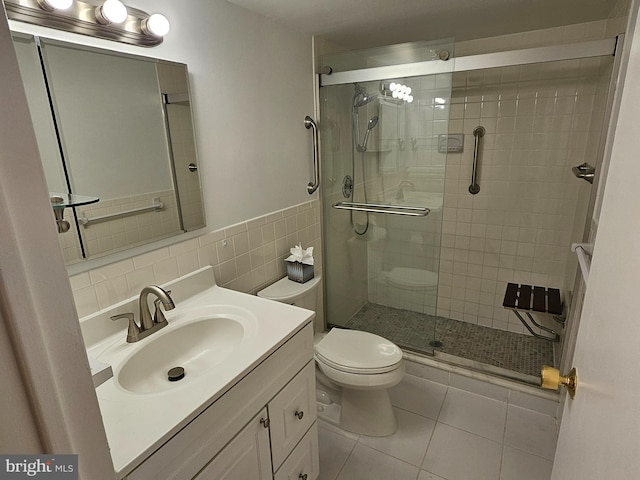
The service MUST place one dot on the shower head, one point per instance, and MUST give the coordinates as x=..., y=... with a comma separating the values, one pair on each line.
x=373, y=121
x=362, y=97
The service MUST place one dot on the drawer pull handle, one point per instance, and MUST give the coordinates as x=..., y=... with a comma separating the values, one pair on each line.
x=302, y=476
x=299, y=414
x=265, y=422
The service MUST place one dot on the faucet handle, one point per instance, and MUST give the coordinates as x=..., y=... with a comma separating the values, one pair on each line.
x=158, y=316
x=133, y=330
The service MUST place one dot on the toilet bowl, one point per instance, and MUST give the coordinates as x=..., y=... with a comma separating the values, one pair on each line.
x=355, y=369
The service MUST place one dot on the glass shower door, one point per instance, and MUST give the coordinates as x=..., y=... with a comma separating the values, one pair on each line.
x=382, y=150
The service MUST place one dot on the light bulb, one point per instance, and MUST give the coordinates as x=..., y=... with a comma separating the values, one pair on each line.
x=51, y=5
x=393, y=86
x=409, y=90
x=156, y=25
x=111, y=11
x=395, y=94
x=409, y=98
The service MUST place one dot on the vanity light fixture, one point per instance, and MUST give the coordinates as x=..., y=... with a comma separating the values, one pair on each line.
x=156, y=25
x=108, y=19
x=111, y=12
x=397, y=91
x=53, y=5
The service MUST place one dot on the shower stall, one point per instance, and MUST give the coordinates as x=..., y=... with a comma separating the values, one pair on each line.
x=444, y=179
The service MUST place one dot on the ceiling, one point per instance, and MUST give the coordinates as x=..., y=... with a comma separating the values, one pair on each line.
x=357, y=24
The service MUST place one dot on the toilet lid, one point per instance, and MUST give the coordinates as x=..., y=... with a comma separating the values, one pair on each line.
x=285, y=290
x=358, y=352
x=413, y=278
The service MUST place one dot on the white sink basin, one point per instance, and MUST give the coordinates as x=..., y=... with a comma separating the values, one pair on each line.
x=197, y=340
x=217, y=335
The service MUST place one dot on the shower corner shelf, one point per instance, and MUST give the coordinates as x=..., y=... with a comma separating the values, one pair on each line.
x=60, y=201
x=541, y=300
x=64, y=200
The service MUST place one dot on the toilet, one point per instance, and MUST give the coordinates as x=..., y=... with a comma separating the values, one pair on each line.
x=355, y=369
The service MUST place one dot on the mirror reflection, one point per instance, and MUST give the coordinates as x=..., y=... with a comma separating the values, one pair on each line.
x=118, y=127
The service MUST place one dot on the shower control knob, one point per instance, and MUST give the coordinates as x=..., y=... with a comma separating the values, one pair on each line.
x=192, y=167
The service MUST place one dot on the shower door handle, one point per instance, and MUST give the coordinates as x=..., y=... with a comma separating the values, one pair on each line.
x=313, y=186
x=478, y=133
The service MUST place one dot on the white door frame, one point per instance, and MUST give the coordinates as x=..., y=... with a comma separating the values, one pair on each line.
x=37, y=309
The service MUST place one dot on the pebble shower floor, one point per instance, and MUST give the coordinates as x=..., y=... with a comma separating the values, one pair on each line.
x=520, y=353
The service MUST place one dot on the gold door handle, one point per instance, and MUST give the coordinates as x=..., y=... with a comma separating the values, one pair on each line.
x=551, y=379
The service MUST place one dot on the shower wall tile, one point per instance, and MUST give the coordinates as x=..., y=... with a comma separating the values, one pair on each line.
x=245, y=257
x=540, y=120
x=116, y=234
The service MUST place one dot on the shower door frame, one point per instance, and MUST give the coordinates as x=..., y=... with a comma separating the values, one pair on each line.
x=525, y=56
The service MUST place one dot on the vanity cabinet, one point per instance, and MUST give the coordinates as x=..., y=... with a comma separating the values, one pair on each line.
x=247, y=456
x=264, y=427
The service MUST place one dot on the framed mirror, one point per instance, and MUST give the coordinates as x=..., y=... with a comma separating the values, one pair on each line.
x=118, y=127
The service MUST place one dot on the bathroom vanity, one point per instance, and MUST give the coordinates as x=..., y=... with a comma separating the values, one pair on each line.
x=245, y=408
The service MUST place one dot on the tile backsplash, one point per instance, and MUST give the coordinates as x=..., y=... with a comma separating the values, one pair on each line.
x=245, y=257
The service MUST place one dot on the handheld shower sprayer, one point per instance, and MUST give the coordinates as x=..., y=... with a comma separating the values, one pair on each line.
x=373, y=121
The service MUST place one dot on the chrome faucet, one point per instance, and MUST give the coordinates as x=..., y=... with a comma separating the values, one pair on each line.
x=148, y=324
x=404, y=185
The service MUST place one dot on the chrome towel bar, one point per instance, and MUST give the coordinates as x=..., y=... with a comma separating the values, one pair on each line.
x=383, y=208
x=157, y=205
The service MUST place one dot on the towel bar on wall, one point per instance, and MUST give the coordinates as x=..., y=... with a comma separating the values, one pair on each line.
x=157, y=205
x=584, y=252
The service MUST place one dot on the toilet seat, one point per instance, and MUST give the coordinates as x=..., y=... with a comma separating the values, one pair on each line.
x=358, y=352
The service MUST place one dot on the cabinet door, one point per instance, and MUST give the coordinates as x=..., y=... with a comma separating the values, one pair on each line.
x=246, y=457
x=292, y=412
x=303, y=463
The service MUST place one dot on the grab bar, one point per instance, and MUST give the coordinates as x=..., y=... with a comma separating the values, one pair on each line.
x=157, y=205
x=313, y=186
x=380, y=208
x=478, y=132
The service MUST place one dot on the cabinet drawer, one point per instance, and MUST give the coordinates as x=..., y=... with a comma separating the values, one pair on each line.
x=303, y=463
x=291, y=413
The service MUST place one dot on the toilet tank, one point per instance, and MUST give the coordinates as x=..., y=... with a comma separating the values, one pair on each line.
x=304, y=295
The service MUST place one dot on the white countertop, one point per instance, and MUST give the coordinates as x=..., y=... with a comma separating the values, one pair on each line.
x=138, y=423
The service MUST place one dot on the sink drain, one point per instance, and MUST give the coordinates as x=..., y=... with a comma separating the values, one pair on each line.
x=175, y=374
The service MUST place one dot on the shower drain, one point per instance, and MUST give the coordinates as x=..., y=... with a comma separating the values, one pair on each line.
x=175, y=374
x=435, y=343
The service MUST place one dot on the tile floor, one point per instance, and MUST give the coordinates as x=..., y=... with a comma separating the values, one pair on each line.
x=444, y=433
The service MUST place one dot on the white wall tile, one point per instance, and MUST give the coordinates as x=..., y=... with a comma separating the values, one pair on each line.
x=107, y=285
